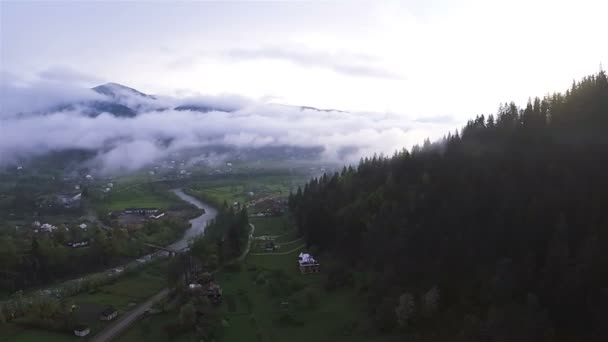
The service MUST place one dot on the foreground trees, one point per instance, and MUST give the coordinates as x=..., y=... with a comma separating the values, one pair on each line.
x=506, y=218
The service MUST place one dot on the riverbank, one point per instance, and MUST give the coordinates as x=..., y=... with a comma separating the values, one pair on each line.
x=197, y=224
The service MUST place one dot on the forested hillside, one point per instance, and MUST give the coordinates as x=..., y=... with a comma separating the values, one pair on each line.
x=496, y=233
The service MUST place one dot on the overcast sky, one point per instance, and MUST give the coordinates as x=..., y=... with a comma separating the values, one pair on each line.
x=422, y=58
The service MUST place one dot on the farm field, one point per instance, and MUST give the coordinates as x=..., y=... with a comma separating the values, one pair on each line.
x=271, y=225
x=245, y=188
x=132, y=288
x=140, y=196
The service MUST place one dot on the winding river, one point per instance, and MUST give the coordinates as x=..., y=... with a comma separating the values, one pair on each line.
x=197, y=224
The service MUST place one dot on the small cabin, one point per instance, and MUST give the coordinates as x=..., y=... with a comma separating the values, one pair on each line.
x=208, y=288
x=108, y=314
x=82, y=330
x=308, y=264
x=269, y=246
x=213, y=291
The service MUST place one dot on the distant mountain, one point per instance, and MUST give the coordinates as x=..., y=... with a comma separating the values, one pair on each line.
x=95, y=108
x=126, y=102
x=119, y=91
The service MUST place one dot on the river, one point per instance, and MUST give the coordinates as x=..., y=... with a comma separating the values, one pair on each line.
x=197, y=224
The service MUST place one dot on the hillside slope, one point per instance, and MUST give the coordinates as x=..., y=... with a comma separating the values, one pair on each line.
x=496, y=233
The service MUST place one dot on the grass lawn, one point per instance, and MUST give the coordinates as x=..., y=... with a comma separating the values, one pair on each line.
x=252, y=309
x=271, y=225
x=237, y=188
x=140, y=196
x=286, y=239
x=14, y=333
x=131, y=288
x=150, y=329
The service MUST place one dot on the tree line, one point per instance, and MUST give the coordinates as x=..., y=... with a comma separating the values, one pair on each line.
x=496, y=232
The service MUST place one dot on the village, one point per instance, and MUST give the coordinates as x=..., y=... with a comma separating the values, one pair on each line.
x=92, y=216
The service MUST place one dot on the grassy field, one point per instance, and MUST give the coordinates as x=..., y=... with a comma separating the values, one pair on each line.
x=140, y=196
x=150, y=329
x=271, y=225
x=126, y=292
x=232, y=189
x=255, y=311
x=15, y=333
x=132, y=288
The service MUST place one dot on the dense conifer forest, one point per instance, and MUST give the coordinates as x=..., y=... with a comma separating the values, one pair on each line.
x=498, y=232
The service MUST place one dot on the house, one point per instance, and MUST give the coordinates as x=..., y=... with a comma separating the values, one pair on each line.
x=108, y=314
x=81, y=330
x=269, y=246
x=156, y=217
x=79, y=244
x=47, y=227
x=213, y=291
x=141, y=211
x=308, y=264
x=83, y=226
x=89, y=177
x=69, y=200
x=208, y=288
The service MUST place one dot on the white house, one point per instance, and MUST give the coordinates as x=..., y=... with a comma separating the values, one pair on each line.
x=157, y=216
x=83, y=226
x=194, y=286
x=306, y=259
x=82, y=330
x=108, y=314
x=88, y=177
x=308, y=264
x=47, y=227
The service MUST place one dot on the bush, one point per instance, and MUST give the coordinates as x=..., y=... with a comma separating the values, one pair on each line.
x=337, y=278
x=233, y=267
x=230, y=302
x=244, y=297
x=287, y=318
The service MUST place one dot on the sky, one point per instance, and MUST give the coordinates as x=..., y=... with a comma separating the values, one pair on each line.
x=437, y=58
x=422, y=67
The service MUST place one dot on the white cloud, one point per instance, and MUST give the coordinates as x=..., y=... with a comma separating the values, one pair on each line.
x=126, y=144
x=343, y=63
